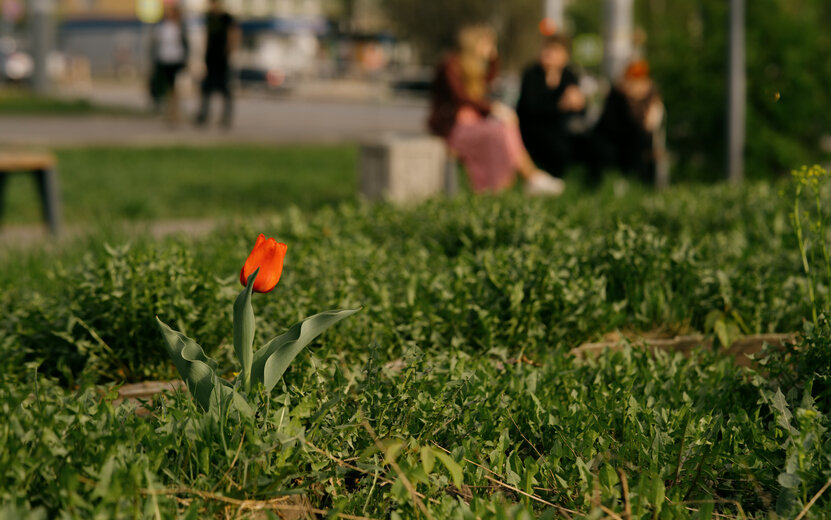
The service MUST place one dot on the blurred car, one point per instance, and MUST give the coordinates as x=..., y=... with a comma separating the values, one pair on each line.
x=276, y=52
x=16, y=66
x=273, y=80
x=419, y=84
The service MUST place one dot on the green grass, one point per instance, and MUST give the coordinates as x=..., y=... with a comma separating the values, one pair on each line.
x=18, y=102
x=111, y=184
x=470, y=308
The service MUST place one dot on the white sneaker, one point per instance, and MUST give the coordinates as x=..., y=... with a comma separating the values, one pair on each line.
x=543, y=184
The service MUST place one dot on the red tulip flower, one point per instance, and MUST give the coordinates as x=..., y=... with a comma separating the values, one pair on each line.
x=267, y=255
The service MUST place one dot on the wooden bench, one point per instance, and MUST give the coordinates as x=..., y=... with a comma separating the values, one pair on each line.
x=44, y=168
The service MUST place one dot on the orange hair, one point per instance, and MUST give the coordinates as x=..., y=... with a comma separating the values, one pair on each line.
x=637, y=69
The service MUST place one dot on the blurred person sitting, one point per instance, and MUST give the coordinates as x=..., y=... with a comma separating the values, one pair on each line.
x=624, y=134
x=483, y=133
x=549, y=99
x=170, y=51
x=222, y=38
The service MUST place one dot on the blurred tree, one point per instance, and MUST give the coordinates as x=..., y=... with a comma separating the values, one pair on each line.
x=788, y=68
x=432, y=26
x=788, y=73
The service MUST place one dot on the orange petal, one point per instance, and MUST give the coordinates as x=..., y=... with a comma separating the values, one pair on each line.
x=268, y=255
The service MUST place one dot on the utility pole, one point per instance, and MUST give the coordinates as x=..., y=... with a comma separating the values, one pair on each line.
x=554, y=10
x=736, y=96
x=41, y=18
x=617, y=36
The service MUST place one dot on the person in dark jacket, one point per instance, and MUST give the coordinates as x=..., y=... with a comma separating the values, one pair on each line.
x=549, y=98
x=222, y=39
x=624, y=133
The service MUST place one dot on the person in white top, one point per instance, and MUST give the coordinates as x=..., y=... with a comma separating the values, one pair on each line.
x=170, y=55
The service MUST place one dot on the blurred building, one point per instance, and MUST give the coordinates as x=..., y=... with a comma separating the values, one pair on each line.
x=280, y=36
x=99, y=8
x=283, y=40
x=243, y=8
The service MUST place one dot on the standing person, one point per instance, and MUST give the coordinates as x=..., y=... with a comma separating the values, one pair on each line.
x=632, y=113
x=222, y=39
x=549, y=98
x=170, y=51
x=483, y=133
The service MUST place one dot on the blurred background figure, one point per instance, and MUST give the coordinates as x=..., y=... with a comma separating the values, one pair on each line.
x=222, y=38
x=549, y=98
x=483, y=133
x=170, y=51
x=624, y=134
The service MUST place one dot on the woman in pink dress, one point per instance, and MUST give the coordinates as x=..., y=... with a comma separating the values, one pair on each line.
x=483, y=133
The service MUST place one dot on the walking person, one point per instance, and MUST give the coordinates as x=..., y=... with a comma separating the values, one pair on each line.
x=170, y=51
x=483, y=133
x=222, y=38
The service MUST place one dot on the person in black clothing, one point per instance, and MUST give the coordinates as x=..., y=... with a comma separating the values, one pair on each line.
x=623, y=136
x=222, y=39
x=549, y=98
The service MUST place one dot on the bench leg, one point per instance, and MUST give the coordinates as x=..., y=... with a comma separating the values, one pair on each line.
x=3, y=176
x=47, y=181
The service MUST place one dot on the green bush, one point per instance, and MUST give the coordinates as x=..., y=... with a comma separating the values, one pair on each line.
x=457, y=366
x=680, y=430
x=788, y=103
x=472, y=273
x=98, y=316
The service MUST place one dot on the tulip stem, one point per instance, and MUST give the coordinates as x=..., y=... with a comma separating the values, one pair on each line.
x=244, y=331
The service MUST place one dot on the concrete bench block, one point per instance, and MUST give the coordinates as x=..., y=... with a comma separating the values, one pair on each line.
x=403, y=169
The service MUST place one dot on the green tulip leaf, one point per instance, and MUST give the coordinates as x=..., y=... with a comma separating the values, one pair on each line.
x=197, y=370
x=272, y=360
x=244, y=330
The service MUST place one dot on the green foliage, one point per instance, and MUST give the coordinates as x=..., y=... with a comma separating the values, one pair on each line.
x=454, y=387
x=787, y=73
x=267, y=365
x=811, y=234
x=97, y=316
x=473, y=273
x=195, y=368
x=244, y=331
x=433, y=26
x=788, y=69
x=273, y=359
x=21, y=102
x=475, y=436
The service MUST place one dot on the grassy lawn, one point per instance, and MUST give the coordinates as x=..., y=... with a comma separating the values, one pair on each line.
x=106, y=184
x=470, y=308
x=14, y=101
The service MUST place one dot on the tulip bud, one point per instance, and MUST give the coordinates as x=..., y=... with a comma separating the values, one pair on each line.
x=267, y=255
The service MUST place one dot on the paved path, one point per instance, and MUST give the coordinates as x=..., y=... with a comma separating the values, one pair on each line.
x=23, y=236
x=259, y=119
